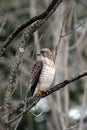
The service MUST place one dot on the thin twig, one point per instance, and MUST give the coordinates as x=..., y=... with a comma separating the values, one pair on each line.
x=3, y=23
x=74, y=29
x=73, y=126
x=59, y=38
x=19, y=120
x=66, y=12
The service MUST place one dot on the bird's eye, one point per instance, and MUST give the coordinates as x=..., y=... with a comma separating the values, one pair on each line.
x=42, y=52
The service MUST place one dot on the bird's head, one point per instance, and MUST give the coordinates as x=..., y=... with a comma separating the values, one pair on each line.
x=46, y=53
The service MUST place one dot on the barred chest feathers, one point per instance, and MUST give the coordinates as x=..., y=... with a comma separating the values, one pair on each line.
x=47, y=75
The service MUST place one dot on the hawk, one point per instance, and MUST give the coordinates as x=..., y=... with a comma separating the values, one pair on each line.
x=43, y=73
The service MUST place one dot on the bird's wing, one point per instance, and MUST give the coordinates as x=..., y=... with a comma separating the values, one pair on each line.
x=35, y=75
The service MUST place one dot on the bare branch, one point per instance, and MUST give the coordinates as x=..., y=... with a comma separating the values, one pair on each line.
x=46, y=14
x=12, y=80
x=74, y=29
x=32, y=101
x=64, y=83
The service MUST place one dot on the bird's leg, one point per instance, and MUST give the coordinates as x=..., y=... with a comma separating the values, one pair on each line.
x=39, y=92
x=42, y=92
x=47, y=92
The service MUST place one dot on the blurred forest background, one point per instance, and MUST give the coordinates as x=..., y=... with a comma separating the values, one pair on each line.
x=66, y=109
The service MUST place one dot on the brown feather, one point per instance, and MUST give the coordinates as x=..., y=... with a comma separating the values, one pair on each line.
x=35, y=75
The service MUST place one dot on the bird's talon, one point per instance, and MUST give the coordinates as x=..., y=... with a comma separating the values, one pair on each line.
x=47, y=92
x=39, y=93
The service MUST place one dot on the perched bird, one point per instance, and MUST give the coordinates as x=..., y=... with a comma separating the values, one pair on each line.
x=43, y=73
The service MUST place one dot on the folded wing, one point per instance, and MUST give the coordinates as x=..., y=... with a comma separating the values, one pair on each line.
x=35, y=76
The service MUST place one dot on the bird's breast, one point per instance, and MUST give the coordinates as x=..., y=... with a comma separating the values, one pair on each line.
x=47, y=76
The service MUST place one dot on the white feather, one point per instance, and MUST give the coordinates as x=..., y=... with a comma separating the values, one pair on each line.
x=47, y=75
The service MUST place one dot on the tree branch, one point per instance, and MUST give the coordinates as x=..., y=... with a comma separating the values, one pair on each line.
x=47, y=12
x=32, y=101
x=56, y=88
x=12, y=78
